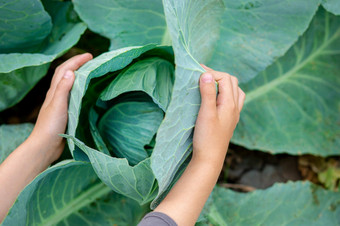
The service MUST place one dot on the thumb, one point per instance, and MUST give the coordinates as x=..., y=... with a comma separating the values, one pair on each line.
x=62, y=91
x=208, y=91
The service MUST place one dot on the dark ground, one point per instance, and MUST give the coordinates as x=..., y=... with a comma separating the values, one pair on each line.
x=244, y=170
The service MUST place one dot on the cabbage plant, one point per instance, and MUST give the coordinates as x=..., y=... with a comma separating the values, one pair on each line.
x=118, y=102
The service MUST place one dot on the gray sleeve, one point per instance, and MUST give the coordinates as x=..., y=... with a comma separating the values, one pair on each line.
x=157, y=219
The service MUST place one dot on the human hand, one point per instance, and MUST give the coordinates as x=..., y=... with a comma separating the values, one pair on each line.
x=52, y=118
x=217, y=117
x=216, y=121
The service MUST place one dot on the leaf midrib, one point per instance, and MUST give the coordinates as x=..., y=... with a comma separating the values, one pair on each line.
x=81, y=201
x=263, y=89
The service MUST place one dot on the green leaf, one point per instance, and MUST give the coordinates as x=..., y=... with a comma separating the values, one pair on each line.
x=66, y=29
x=255, y=32
x=299, y=203
x=71, y=194
x=155, y=76
x=128, y=126
x=136, y=182
x=11, y=136
x=24, y=24
x=332, y=6
x=15, y=84
x=293, y=106
x=125, y=23
x=97, y=138
x=13, y=61
x=23, y=67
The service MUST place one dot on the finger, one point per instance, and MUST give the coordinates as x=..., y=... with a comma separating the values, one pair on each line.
x=208, y=92
x=242, y=97
x=71, y=64
x=225, y=92
x=234, y=82
x=61, y=94
x=220, y=75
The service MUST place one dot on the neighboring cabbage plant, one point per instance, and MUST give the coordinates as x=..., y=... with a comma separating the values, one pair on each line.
x=32, y=34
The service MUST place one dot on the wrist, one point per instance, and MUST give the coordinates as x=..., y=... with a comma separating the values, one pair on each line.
x=210, y=163
x=38, y=148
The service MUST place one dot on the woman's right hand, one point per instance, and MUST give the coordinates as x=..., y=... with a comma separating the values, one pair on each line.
x=217, y=116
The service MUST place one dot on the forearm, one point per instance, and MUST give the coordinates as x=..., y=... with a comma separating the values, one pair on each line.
x=186, y=199
x=216, y=121
x=19, y=169
x=44, y=146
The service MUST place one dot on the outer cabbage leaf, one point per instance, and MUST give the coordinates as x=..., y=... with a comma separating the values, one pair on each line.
x=136, y=182
x=125, y=22
x=15, y=84
x=196, y=29
x=23, y=67
x=11, y=136
x=70, y=193
x=254, y=33
x=24, y=24
x=174, y=137
x=89, y=99
x=299, y=203
x=332, y=6
x=293, y=106
x=250, y=34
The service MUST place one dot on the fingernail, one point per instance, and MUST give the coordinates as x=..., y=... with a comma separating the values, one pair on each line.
x=207, y=78
x=68, y=74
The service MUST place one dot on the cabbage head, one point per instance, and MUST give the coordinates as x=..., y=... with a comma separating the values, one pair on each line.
x=123, y=96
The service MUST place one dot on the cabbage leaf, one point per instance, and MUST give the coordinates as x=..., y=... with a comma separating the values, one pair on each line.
x=11, y=136
x=70, y=193
x=293, y=106
x=40, y=38
x=125, y=22
x=293, y=203
x=332, y=6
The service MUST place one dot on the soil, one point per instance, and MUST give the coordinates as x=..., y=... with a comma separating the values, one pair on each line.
x=246, y=170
